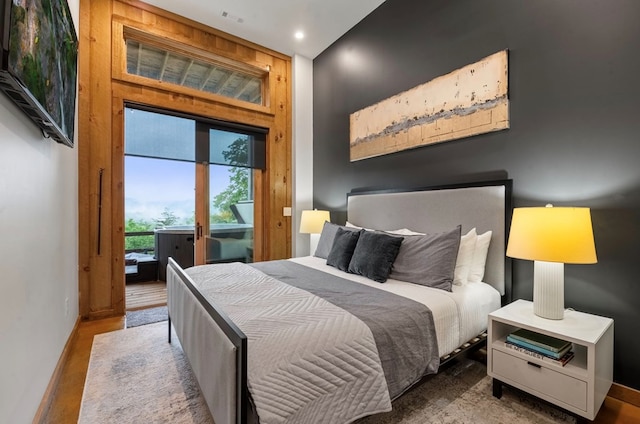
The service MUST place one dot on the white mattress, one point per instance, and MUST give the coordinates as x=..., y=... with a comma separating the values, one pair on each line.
x=459, y=315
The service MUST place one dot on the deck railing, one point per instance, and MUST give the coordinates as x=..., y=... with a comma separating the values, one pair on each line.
x=145, y=244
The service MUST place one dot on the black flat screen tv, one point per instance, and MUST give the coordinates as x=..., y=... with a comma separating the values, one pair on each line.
x=39, y=63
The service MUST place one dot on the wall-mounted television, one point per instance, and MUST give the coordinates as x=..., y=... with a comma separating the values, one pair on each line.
x=39, y=63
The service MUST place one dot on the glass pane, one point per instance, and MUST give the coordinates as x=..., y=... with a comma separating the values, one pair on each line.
x=231, y=214
x=159, y=136
x=162, y=65
x=230, y=148
x=159, y=193
x=159, y=212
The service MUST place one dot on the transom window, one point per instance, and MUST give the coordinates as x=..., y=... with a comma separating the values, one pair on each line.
x=160, y=64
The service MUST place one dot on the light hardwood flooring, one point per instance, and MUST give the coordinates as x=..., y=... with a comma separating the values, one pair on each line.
x=145, y=295
x=67, y=397
x=65, y=405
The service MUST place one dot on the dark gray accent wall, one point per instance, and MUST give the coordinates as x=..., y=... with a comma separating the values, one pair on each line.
x=574, y=88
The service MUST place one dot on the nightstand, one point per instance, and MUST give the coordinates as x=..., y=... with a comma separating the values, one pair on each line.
x=579, y=386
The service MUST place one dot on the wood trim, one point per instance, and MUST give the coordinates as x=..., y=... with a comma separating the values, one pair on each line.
x=162, y=40
x=94, y=154
x=50, y=392
x=202, y=213
x=102, y=94
x=197, y=25
x=625, y=394
x=118, y=293
x=192, y=92
x=185, y=103
x=259, y=219
x=278, y=244
x=84, y=67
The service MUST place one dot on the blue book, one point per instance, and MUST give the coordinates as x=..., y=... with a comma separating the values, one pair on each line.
x=542, y=340
x=546, y=352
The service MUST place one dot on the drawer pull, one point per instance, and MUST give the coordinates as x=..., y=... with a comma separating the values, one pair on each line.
x=534, y=365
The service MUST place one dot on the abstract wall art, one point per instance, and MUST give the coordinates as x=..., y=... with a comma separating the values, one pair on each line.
x=469, y=101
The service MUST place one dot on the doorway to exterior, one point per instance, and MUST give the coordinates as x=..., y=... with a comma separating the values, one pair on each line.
x=189, y=191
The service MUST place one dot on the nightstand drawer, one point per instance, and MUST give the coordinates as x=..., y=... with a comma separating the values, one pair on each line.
x=541, y=379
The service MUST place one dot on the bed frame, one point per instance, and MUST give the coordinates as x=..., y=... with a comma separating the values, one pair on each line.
x=217, y=348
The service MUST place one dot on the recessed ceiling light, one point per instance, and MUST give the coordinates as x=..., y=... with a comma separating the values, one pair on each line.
x=299, y=35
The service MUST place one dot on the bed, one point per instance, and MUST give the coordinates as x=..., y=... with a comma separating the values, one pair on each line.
x=282, y=341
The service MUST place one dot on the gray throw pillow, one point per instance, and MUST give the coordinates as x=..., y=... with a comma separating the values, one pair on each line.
x=374, y=254
x=428, y=260
x=326, y=238
x=341, y=252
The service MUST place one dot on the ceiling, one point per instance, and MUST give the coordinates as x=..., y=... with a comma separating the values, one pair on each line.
x=273, y=23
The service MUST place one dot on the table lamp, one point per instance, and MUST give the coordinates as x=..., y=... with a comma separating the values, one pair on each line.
x=311, y=222
x=551, y=237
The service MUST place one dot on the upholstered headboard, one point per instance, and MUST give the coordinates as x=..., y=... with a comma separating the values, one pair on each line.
x=485, y=206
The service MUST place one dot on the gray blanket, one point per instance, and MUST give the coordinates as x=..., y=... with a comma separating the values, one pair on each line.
x=403, y=329
x=309, y=361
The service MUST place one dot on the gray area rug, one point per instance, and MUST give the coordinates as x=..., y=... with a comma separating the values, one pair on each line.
x=135, y=376
x=146, y=316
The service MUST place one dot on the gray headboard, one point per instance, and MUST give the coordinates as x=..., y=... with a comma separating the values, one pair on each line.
x=485, y=206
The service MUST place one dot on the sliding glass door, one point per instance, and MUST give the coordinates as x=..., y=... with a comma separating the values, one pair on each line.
x=189, y=189
x=231, y=157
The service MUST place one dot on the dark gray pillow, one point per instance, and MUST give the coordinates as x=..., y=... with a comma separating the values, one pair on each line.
x=326, y=238
x=374, y=254
x=428, y=260
x=341, y=252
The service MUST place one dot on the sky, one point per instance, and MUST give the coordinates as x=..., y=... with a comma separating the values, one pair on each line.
x=151, y=185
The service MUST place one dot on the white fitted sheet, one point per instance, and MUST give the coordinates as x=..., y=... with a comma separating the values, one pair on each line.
x=458, y=316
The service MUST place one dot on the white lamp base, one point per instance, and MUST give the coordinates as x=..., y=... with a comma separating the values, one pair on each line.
x=548, y=289
x=313, y=243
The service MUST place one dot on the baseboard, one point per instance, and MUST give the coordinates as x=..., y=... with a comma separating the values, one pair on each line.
x=47, y=398
x=625, y=394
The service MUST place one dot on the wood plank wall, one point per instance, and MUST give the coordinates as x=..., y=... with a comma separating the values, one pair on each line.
x=104, y=86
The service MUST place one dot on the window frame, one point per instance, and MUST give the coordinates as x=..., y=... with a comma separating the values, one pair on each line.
x=125, y=31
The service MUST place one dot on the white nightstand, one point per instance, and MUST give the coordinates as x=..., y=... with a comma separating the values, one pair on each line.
x=581, y=385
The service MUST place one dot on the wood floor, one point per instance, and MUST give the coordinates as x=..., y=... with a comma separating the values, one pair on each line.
x=145, y=295
x=65, y=405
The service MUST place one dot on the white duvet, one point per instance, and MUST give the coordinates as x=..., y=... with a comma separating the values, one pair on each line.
x=459, y=315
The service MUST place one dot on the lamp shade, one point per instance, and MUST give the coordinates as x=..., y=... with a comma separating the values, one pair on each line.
x=551, y=234
x=311, y=222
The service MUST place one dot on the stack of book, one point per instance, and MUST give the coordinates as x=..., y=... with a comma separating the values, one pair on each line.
x=549, y=349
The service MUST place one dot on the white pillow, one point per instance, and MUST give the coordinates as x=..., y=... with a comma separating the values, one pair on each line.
x=465, y=257
x=476, y=271
x=400, y=232
x=350, y=225
x=405, y=232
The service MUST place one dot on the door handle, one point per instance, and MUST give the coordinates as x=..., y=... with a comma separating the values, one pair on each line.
x=198, y=231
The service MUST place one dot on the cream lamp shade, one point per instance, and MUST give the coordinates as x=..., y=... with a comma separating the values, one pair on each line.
x=311, y=222
x=551, y=237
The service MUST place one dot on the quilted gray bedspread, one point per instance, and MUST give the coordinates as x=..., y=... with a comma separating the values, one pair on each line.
x=402, y=328
x=307, y=354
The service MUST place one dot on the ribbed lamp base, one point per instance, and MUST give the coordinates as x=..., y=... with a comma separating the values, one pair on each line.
x=548, y=289
x=314, y=239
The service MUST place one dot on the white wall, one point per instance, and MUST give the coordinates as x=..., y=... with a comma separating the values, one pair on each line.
x=38, y=258
x=302, y=149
